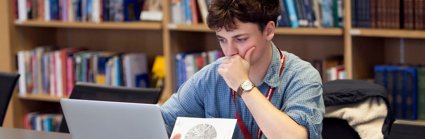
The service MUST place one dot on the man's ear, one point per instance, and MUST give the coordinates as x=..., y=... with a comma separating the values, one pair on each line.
x=269, y=30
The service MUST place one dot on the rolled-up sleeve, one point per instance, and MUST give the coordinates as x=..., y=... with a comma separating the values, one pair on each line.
x=186, y=102
x=304, y=101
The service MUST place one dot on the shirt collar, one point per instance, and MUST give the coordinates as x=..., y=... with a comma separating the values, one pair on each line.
x=272, y=75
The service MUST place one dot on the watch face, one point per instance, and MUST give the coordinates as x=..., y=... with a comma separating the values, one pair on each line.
x=247, y=85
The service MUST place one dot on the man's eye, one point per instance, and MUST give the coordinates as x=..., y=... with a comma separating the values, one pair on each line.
x=241, y=39
x=221, y=40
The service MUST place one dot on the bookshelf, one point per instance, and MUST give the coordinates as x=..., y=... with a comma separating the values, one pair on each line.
x=362, y=48
x=190, y=28
x=45, y=98
x=388, y=33
x=90, y=25
x=310, y=31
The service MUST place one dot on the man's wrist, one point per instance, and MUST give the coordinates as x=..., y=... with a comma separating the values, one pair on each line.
x=245, y=87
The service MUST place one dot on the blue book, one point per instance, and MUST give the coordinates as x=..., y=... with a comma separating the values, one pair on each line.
x=381, y=75
x=132, y=9
x=354, y=13
x=181, y=69
x=327, y=13
x=117, y=63
x=188, y=11
x=33, y=120
x=47, y=123
x=46, y=72
x=398, y=92
x=292, y=13
x=410, y=93
x=77, y=9
x=284, y=16
x=308, y=11
x=391, y=89
x=54, y=9
x=367, y=14
x=89, y=10
x=105, y=10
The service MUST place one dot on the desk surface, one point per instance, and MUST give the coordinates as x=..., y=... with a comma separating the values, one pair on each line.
x=14, y=133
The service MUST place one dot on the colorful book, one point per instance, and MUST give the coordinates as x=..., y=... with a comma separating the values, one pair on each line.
x=135, y=70
x=290, y=5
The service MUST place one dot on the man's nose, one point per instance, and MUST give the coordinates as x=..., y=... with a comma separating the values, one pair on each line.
x=231, y=49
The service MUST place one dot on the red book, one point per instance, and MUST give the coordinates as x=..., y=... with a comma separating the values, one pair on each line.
x=67, y=69
x=193, y=8
x=70, y=74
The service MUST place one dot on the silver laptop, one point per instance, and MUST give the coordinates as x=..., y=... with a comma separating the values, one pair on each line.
x=88, y=119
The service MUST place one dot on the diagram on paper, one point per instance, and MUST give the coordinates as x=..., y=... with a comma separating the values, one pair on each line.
x=202, y=131
x=204, y=128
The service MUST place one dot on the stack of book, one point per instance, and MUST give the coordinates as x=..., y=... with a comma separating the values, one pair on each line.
x=295, y=13
x=86, y=10
x=54, y=72
x=42, y=122
x=311, y=13
x=406, y=89
x=391, y=14
x=331, y=68
x=188, y=64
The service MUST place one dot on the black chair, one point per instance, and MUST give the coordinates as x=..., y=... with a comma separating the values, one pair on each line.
x=89, y=91
x=7, y=84
x=342, y=92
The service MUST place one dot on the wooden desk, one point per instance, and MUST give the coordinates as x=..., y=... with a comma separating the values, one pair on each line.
x=14, y=133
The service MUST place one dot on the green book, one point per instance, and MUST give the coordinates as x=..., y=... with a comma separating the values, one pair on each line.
x=421, y=93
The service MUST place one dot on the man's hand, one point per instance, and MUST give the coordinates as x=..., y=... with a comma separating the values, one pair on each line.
x=235, y=69
x=176, y=136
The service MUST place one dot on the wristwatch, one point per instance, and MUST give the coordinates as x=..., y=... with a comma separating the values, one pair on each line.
x=246, y=86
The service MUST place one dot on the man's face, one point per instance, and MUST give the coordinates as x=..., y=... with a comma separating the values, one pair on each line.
x=238, y=41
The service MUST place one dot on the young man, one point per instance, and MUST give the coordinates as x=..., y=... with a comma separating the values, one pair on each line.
x=273, y=94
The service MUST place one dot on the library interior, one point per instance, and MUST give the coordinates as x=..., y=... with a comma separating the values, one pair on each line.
x=370, y=55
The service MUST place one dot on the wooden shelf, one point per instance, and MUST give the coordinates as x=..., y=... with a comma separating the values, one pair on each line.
x=188, y=27
x=281, y=31
x=41, y=98
x=310, y=31
x=389, y=33
x=92, y=25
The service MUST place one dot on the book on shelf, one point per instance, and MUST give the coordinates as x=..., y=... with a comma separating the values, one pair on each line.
x=54, y=72
x=84, y=10
x=332, y=13
x=42, y=122
x=136, y=70
x=403, y=84
x=298, y=13
x=421, y=93
x=331, y=68
x=389, y=14
x=152, y=11
x=189, y=63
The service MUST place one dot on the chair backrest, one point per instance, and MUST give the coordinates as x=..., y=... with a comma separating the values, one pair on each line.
x=342, y=92
x=7, y=85
x=88, y=91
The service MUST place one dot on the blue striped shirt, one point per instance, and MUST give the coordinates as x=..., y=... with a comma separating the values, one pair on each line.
x=298, y=94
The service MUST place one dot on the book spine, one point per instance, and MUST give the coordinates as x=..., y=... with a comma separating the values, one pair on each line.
x=22, y=68
x=421, y=93
x=292, y=13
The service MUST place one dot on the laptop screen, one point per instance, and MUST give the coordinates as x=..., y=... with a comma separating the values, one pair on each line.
x=88, y=91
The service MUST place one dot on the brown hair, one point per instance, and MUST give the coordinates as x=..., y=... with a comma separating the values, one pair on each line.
x=223, y=13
